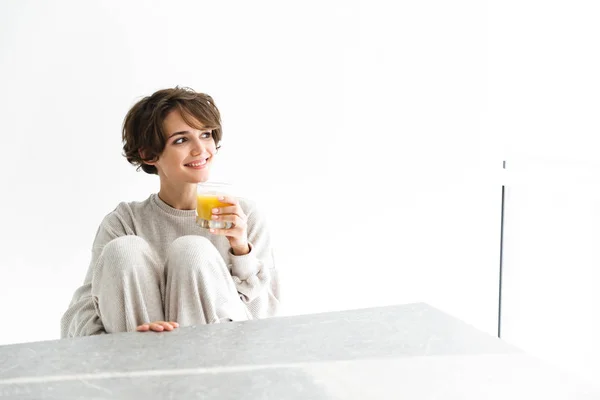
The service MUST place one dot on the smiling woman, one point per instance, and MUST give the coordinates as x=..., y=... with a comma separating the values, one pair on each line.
x=153, y=267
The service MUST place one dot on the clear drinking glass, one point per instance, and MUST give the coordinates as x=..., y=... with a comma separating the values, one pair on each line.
x=208, y=198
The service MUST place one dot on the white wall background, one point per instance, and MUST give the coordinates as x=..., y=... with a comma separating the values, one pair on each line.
x=543, y=100
x=356, y=125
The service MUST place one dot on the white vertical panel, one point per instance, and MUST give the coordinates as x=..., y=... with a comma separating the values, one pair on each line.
x=551, y=300
x=543, y=104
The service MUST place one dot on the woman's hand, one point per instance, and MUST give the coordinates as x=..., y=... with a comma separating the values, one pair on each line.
x=238, y=233
x=158, y=326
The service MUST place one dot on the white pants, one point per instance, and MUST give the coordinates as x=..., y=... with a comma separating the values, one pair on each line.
x=194, y=286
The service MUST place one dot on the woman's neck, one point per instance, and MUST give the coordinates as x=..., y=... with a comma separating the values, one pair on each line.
x=182, y=197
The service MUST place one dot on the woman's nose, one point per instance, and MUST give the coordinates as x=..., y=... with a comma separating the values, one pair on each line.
x=197, y=148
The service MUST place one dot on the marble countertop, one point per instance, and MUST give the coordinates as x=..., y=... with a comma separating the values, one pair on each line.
x=411, y=351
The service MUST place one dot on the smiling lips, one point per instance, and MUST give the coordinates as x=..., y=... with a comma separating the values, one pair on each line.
x=197, y=164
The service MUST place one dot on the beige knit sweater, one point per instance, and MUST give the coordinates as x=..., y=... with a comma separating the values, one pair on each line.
x=159, y=224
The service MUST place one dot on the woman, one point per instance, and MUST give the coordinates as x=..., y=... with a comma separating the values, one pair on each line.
x=153, y=268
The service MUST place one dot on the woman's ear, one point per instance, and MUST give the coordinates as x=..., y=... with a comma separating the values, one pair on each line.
x=143, y=155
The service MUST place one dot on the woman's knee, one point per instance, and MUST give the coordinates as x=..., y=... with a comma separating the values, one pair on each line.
x=124, y=253
x=191, y=245
x=194, y=252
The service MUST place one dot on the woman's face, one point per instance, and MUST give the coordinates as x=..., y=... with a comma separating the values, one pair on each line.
x=188, y=153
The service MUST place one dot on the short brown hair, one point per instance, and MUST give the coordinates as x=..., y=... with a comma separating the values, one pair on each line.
x=143, y=125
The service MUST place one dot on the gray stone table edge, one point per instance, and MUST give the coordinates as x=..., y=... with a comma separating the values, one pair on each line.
x=474, y=376
x=409, y=330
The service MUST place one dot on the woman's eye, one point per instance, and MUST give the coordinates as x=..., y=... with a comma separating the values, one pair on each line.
x=207, y=134
x=179, y=141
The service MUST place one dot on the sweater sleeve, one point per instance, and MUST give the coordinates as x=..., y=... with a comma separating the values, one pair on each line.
x=82, y=317
x=254, y=274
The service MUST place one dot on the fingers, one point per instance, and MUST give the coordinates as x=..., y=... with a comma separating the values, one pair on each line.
x=158, y=326
x=238, y=229
x=237, y=210
x=226, y=232
x=236, y=219
x=234, y=208
x=233, y=214
x=226, y=210
x=228, y=200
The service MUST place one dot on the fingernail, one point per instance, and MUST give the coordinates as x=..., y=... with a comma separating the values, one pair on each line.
x=212, y=230
x=221, y=198
x=215, y=210
x=215, y=217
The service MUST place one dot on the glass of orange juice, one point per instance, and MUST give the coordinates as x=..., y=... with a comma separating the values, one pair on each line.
x=208, y=198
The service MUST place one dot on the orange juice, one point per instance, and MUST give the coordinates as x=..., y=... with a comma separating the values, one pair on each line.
x=206, y=202
x=208, y=198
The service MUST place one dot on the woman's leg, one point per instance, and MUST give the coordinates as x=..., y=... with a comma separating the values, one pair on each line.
x=199, y=288
x=127, y=284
